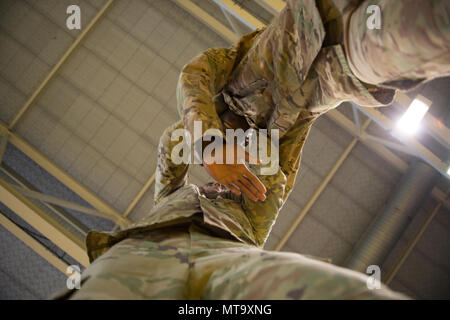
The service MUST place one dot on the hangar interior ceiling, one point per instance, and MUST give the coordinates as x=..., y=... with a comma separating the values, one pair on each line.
x=82, y=111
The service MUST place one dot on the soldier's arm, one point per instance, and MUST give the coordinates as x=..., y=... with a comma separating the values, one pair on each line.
x=170, y=174
x=200, y=80
x=291, y=146
x=263, y=214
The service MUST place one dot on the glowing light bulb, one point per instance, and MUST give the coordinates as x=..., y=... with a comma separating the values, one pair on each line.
x=410, y=121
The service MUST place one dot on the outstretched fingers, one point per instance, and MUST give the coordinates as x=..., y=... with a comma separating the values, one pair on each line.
x=255, y=181
x=233, y=188
x=246, y=190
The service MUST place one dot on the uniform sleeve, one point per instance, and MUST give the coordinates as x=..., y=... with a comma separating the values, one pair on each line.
x=170, y=174
x=291, y=146
x=200, y=80
x=277, y=64
x=263, y=214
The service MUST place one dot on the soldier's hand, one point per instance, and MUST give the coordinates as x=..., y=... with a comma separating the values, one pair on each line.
x=235, y=174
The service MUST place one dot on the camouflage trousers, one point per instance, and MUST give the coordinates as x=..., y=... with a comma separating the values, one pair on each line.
x=188, y=262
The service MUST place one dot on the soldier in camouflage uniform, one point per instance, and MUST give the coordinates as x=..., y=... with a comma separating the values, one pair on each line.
x=206, y=242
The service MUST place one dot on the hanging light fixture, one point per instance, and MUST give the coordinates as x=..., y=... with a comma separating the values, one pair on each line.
x=410, y=121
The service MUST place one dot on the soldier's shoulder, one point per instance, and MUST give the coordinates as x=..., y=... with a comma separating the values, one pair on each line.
x=220, y=55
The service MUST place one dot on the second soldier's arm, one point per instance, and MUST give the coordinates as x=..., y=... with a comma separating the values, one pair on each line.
x=200, y=80
x=263, y=214
x=169, y=175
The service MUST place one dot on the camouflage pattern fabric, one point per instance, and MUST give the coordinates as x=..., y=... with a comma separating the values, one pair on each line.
x=190, y=262
x=412, y=46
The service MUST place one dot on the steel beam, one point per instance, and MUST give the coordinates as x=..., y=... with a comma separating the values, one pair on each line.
x=208, y=20
x=39, y=220
x=33, y=244
x=67, y=217
x=230, y=22
x=273, y=6
x=442, y=197
x=64, y=177
x=239, y=13
x=388, y=143
x=59, y=202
